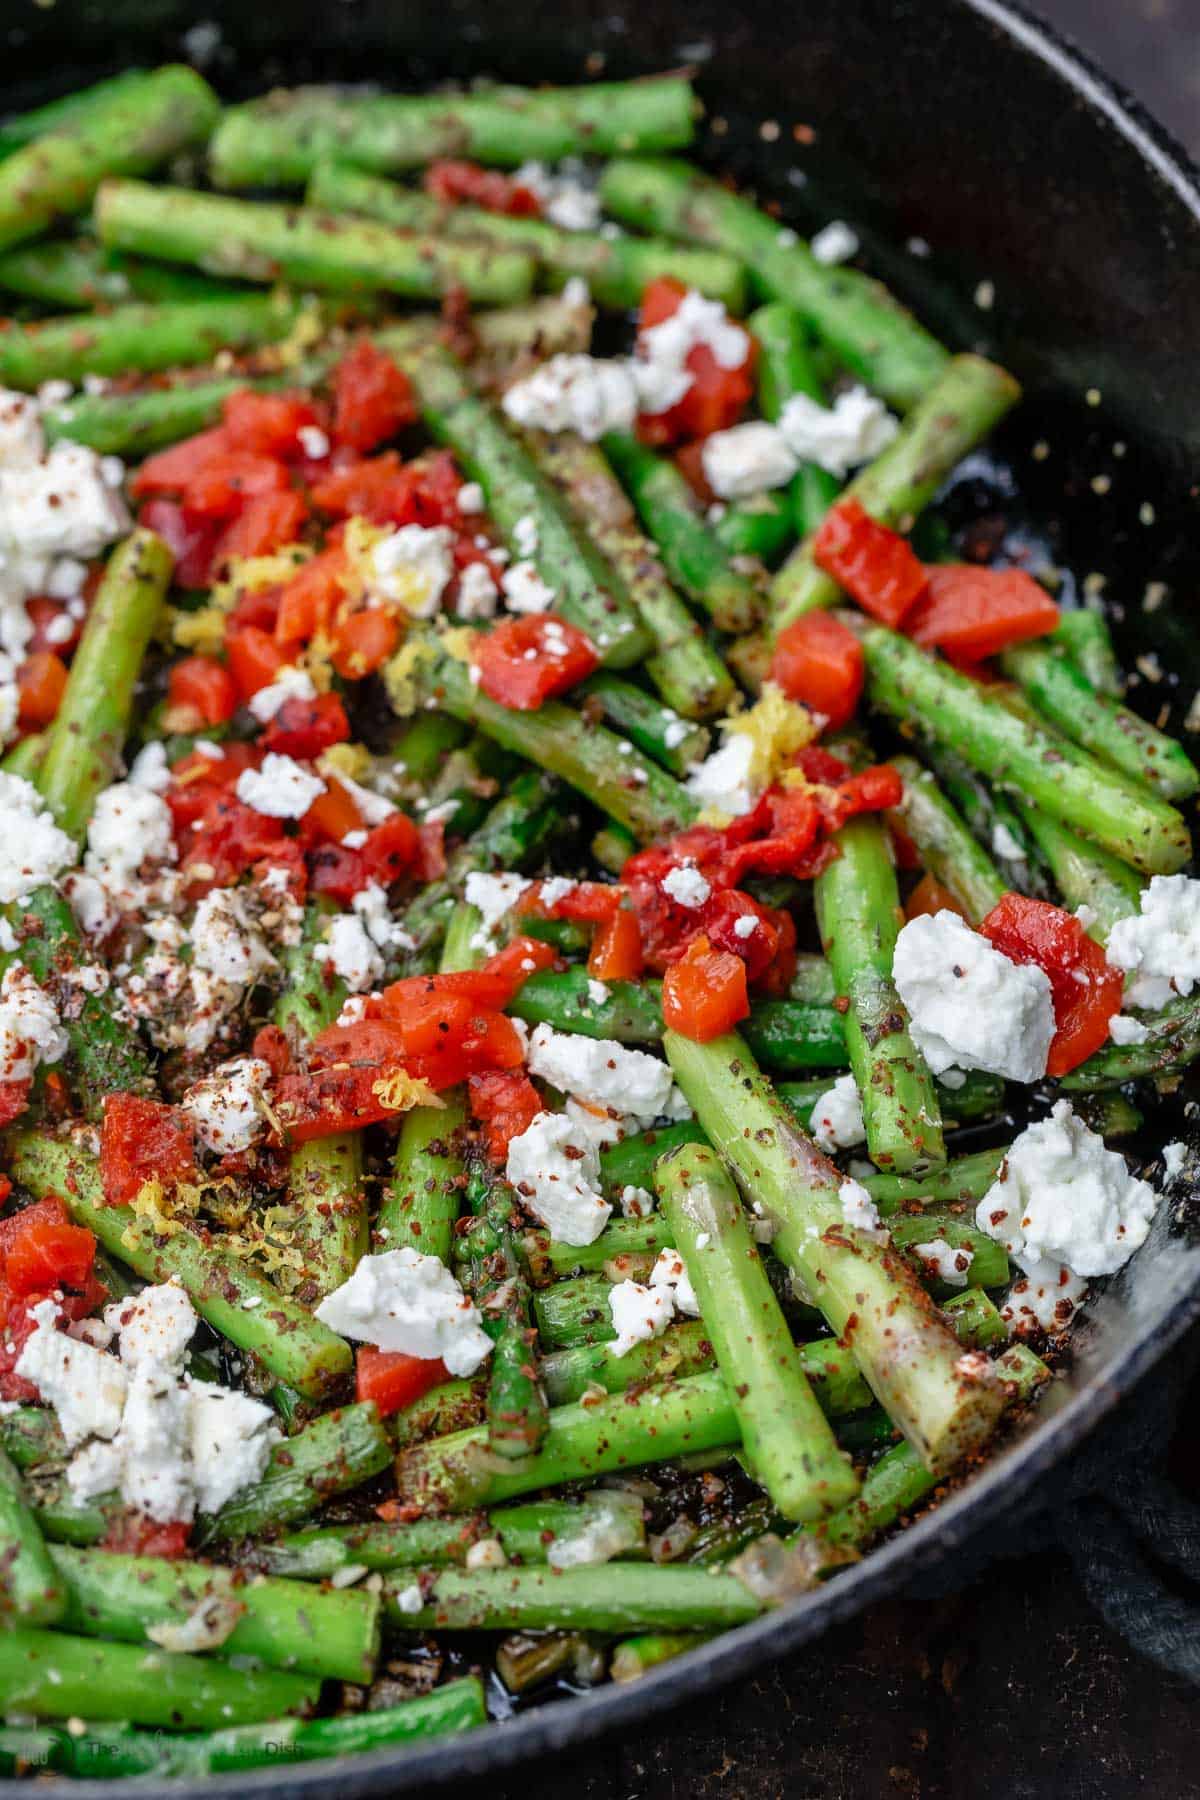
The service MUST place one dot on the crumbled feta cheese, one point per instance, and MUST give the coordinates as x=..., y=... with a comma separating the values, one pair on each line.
x=575, y=392
x=525, y=535
x=686, y=885
x=225, y=940
x=232, y=1437
x=558, y=1177
x=21, y=439
x=636, y=1202
x=564, y=199
x=639, y=1313
x=401, y=1300
x=746, y=926
x=492, y=896
x=314, y=442
x=1160, y=946
x=696, y=321
x=155, y=1446
x=597, y=991
x=130, y=826
x=95, y=1470
x=409, y=1599
x=281, y=789
x=1124, y=1029
x=371, y=906
x=225, y=1105
x=470, y=497
x=86, y=1387
x=1045, y=1297
x=413, y=567
x=838, y=438
x=747, y=459
x=835, y=243
x=675, y=731
x=722, y=780
x=155, y=1326
x=971, y=1007
x=350, y=952
x=1005, y=845
x=837, y=1117
x=859, y=1210
x=290, y=683
x=601, y=1072
x=670, y=1272
x=487, y=1553
x=944, y=1262
x=1062, y=1196
x=60, y=505
x=32, y=848
x=1174, y=1157
x=478, y=595
x=525, y=591
x=31, y=1031
x=149, y=769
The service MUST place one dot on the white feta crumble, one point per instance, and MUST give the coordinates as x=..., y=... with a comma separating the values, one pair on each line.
x=676, y=731
x=225, y=1106
x=1045, y=1297
x=487, y=1553
x=601, y=1072
x=1005, y=845
x=589, y=395
x=32, y=848
x=747, y=459
x=525, y=535
x=130, y=826
x=349, y=951
x=1063, y=1197
x=525, y=591
x=409, y=1599
x=971, y=1007
x=314, y=442
x=478, y=595
x=636, y=1202
x=470, y=497
x=493, y=897
x=558, y=1178
x=86, y=1387
x=565, y=200
x=1160, y=946
x=149, y=768
x=281, y=789
x=225, y=940
x=402, y=1300
x=837, y=1117
x=746, y=926
x=686, y=885
x=597, y=992
x=155, y=1446
x=1174, y=1157
x=838, y=438
x=834, y=243
x=670, y=1272
x=859, y=1210
x=290, y=683
x=155, y=1326
x=1124, y=1029
x=695, y=321
x=945, y=1262
x=639, y=1313
x=722, y=780
x=31, y=1031
x=232, y=1437
x=413, y=566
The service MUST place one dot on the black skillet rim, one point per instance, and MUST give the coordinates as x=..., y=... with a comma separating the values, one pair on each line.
x=560, y=1725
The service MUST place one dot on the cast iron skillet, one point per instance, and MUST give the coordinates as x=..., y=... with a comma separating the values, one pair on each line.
x=968, y=125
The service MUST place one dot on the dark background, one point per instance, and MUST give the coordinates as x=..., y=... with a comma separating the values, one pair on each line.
x=1014, y=1688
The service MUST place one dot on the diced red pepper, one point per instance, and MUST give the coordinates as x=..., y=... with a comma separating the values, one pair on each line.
x=717, y=396
x=704, y=993
x=54, y=627
x=192, y=546
x=506, y=1102
x=221, y=489
x=143, y=1140
x=971, y=613
x=525, y=661
x=393, y=1380
x=200, y=693
x=453, y=182
x=929, y=896
x=41, y=681
x=264, y=525
x=372, y=399
x=587, y=902
x=271, y=1046
x=134, y=1534
x=268, y=424
x=14, y=1098
x=616, y=951
x=876, y=566
x=818, y=660
x=363, y=641
x=325, y=1102
x=169, y=471
x=332, y=816
x=768, y=950
x=255, y=659
x=1086, y=990
x=304, y=728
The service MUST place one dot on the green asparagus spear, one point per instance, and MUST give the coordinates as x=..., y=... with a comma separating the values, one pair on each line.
x=295, y=1347
x=616, y=269
x=68, y=110
x=282, y=1624
x=947, y=420
x=1065, y=782
x=909, y=1358
x=630, y=788
x=143, y=338
x=646, y=722
x=77, y=272
x=1063, y=694
x=1172, y=1044
x=84, y=744
x=1084, y=874
x=988, y=1259
x=871, y=334
x=636, y=1656
x=787, y=367
x=256, y=241
x=516, y=1410
x=614, y=1597
x=946, y=847
x=31, y=1592
x=629, y=1011
x=790, y=1445
x=858, y=913
x=421, y=1200
x=1084, y=634
x=277, y=141
x=694, y=558
x=338, y=1451
x=631, y=1162
x=964, y=1179
x=686, y=669
x=574, y=1312
x=126, y=132
x=51, y=1675
x=788, y=1035
x=976, y=1319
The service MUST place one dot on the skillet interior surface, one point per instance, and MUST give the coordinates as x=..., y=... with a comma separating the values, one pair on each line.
x=967, y=127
